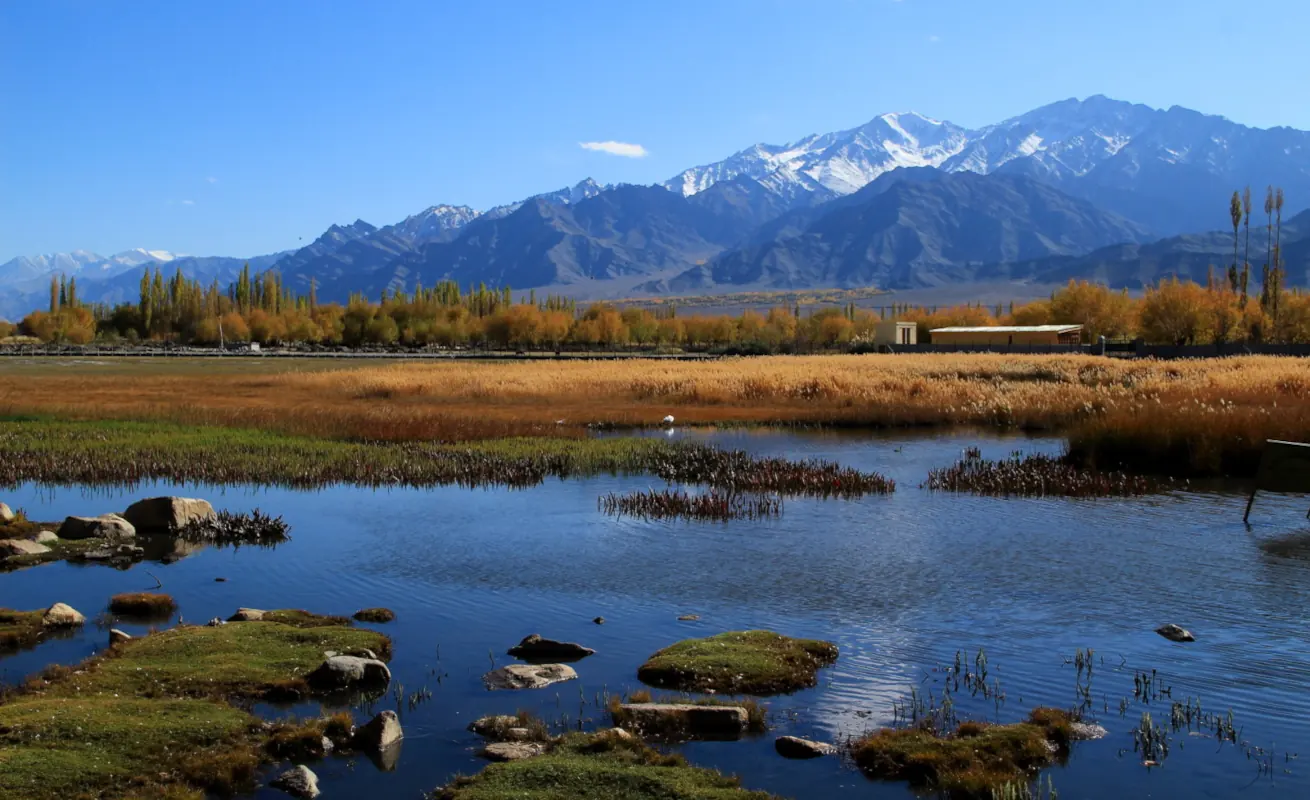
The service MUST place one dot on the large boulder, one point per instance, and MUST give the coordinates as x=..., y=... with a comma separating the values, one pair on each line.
x=528, y=676
x=7, y=514
x=21, y=547
x=61, y=615
x=166, y=514
x=1175, y=633
x=685, y=719
x=380, y=733
x=512, y=751
x=793, y=747
x=298, y=782
x=344, y=672
x=107, y=526
x=535, y=648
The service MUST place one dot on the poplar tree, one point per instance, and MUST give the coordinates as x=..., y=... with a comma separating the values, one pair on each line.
x=1246, y=258
x=54, y=294
x=1235, y=211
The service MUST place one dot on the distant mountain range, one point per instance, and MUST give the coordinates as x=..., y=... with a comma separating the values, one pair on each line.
x=1072, y=189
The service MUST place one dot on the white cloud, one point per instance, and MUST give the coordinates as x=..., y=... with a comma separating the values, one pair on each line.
x=188, y=202
x=616, y=149
x=212, y=179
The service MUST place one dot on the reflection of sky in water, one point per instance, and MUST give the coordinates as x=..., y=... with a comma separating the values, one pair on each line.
x=900, y=583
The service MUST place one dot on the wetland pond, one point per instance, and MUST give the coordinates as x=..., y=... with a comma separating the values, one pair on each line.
x=900, y=583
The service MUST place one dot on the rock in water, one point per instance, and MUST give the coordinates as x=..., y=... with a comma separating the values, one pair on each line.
x=528, y=676
x=118, y=637
x=512, y=751
x=107, y=526
x=166, y=514
x=60, y=615
x=1175, y=633
x=7, y=514
x=494, y=727
x=380, y=733
x=793, y=747
x=21, y=547
x=298, y=782
x=1086, y=732
x=535, y=647
x=343, y=672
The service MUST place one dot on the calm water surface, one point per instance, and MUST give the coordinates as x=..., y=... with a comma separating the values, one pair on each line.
x=900, y=583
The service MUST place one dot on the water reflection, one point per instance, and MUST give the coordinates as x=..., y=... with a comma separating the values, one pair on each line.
x=899, y=582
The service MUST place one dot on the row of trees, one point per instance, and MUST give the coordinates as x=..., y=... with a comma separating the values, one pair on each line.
x=261, y=310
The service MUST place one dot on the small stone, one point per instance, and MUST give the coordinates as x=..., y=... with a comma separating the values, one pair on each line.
x=215, y=622
x=528, y=676
x=298, y=782
x=341, y=672
x=380, y=733
x=793, y=747
x=1175, y=633
x=599, y=620
x=512, y=751
x=247, y=615
x=118, y=637
x=534, y=646
x=106, y=526
x=1086, y=732
x=689, y=618
x=327, y=745
x=60, y=615
x=220, y=580
x=21, y=547
x=518, y=735
x=47, y=538
x=7, y=514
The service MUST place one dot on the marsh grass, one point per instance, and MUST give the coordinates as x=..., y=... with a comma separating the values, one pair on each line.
x=597, y=765
x=229, y=528
x=143, y=604
x=1038, y=475
x=376, y=615
x=674, y=503
x=152, y=717
x=19, y=630
x=739, y=662
x=970, y=763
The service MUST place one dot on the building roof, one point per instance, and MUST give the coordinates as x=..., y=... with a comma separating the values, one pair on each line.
x=1012, y=329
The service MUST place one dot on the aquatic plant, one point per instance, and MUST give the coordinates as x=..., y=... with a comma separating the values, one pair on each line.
x=228, y=528
x=1038, y=475
x=19, y=629
x=739, y=662
x=738, y=471
x=711, y=505
x=375, y=615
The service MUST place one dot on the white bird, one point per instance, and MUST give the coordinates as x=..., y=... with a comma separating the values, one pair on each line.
x=668, y=420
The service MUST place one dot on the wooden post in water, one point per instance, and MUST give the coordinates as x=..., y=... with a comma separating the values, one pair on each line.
x=1284, y=467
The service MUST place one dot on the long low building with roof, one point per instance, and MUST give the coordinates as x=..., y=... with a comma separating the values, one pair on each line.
x=1009, y=335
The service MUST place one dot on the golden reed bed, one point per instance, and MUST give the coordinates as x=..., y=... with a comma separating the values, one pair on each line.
x=1201, y=411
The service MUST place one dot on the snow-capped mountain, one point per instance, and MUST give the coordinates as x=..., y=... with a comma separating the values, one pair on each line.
x=23, y=271
x=437, y=223
x=1163, y=168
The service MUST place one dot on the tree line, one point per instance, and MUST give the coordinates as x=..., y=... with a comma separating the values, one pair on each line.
x=262, y=308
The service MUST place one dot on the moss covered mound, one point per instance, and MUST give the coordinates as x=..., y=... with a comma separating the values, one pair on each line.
x=740, y=662
x=970, y=763
x=375, y=615
x=599, y=766
x=150, y=717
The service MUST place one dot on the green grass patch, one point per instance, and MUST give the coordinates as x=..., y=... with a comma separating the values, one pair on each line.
x=63, y=452
x=298, y=618
x=19, y=629
x=152, y=718
x=143, y=604
x=739, y=662
x=598, y=766
x=973, y=761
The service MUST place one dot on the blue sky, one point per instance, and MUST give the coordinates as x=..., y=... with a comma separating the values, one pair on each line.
x=238, y=127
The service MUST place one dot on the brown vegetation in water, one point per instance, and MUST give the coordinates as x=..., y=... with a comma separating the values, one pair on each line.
x=143, y=604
